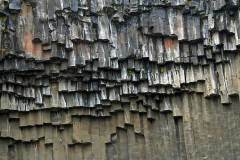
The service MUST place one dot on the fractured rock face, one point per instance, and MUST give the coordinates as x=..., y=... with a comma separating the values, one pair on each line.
x=119, y=79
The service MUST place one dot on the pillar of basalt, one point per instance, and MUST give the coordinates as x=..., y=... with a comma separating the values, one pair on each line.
x=119, y=80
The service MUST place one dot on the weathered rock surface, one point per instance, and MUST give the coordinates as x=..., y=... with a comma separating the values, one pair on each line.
x=119, y=80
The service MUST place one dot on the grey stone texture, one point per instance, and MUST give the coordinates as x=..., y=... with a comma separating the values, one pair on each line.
x=119, y=80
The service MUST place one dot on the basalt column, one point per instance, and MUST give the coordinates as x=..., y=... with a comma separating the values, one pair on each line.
x=119, y=80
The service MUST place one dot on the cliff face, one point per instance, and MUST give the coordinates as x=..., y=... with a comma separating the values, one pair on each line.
x=119, y=80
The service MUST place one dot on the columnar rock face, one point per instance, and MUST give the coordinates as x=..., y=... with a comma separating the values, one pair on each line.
x=119, y=80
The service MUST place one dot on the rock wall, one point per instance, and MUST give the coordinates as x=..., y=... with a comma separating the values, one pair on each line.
x=119, y=80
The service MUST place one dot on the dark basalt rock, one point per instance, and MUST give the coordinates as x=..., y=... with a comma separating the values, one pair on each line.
x=119, y=79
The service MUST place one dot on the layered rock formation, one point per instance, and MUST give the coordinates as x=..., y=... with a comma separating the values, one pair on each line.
x=119, y=80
